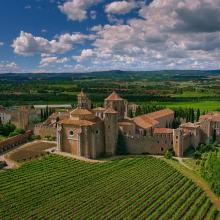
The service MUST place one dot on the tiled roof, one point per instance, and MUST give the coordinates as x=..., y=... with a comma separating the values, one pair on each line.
x=145, y=122
x=126, y=122
x=101, y=109
x=110, y=111
x=163, y=131
x=189, y=125
x=70, y=121
x=114, y=96
x=160, y=114
x=215, y=117
x=81, y=111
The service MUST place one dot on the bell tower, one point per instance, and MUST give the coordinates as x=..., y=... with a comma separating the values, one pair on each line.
x=83, y=100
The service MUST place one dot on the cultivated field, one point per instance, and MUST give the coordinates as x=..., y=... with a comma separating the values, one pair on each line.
x=30, y=151
x=55, y=187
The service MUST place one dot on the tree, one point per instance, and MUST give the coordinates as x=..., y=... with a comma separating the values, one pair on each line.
x=197, y=155
x=192, y=115
x=198, y=114
x=214, y=136
x=138, y=111
x=130, y=113
x=121, y=148
x=169, y=154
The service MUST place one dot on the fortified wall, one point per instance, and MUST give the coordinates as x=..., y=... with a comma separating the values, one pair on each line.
x=157, y=144
x=44, y=130
x=12, y=142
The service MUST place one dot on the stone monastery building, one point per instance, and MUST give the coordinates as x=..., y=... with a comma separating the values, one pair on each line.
x=90, y=132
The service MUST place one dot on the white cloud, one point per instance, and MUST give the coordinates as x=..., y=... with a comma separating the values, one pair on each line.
x=85, y=54
x=120, y=7
x=45, y=61
x=27, y=44
x=1, y=43
x=7, y=66
x=96, y=28
x=76, y=10
x=156, y=41
x=167, y=34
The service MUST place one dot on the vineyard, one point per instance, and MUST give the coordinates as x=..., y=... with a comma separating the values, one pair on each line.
x=55, y=187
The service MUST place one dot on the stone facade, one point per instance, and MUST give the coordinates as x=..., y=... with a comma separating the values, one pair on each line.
x=48, y=128
x=5, y=117
x=21, y=117
x=193, y=134
x=92, y=132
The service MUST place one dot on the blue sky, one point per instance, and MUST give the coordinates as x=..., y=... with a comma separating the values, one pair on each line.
x=88, y=35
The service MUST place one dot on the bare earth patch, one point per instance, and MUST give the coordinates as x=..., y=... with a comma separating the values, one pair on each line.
x=30, y=151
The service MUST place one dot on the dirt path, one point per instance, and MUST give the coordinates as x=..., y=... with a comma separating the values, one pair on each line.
x=78, y=158
x=10, y=164
x=188, y=172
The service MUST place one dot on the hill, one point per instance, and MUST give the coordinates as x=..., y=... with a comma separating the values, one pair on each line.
x=55, y=187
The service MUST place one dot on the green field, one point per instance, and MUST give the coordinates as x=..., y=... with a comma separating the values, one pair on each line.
x=55, y=187
x=202, y=105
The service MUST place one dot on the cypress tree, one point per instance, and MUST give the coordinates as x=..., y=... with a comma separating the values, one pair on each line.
x=198, y=114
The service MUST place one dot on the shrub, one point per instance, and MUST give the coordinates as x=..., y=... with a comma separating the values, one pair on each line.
x=169, y=154
x=197, y=155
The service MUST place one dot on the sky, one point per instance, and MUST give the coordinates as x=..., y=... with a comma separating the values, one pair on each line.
x=95, y=35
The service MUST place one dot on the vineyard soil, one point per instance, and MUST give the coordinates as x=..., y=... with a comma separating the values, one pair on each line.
x=55, y=187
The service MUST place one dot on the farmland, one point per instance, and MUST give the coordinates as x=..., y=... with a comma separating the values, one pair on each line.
x=194, y=89
x=55, y=187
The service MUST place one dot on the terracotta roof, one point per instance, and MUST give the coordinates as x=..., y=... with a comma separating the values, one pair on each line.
x=114, y=96
x=215, y=117
x=145, y=122
x=69, y=121
x=163, y=131
x=189, y=125
x=101, y=109
x=81, y=111
x=160, y=114
x=110, y=111
x=126, y=122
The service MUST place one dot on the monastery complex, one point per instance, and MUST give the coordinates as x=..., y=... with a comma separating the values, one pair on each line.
x=94, y=132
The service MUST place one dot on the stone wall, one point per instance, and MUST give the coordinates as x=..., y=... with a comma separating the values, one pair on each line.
x=157, y=144
x=12, y=142
x=165, y=121
x=43, y=131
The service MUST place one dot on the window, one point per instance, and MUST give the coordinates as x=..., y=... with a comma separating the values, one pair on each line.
x=158, y=142
x=71, y=133
x=97, y=132
x=161, y=149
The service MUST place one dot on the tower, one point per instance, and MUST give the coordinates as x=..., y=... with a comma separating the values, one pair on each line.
x=115, y=102
x=22, y=118
x=111, y=131
x=83, y=100
x=178, y=142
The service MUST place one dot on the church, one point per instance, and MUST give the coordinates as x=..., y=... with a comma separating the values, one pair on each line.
x=94, y=132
